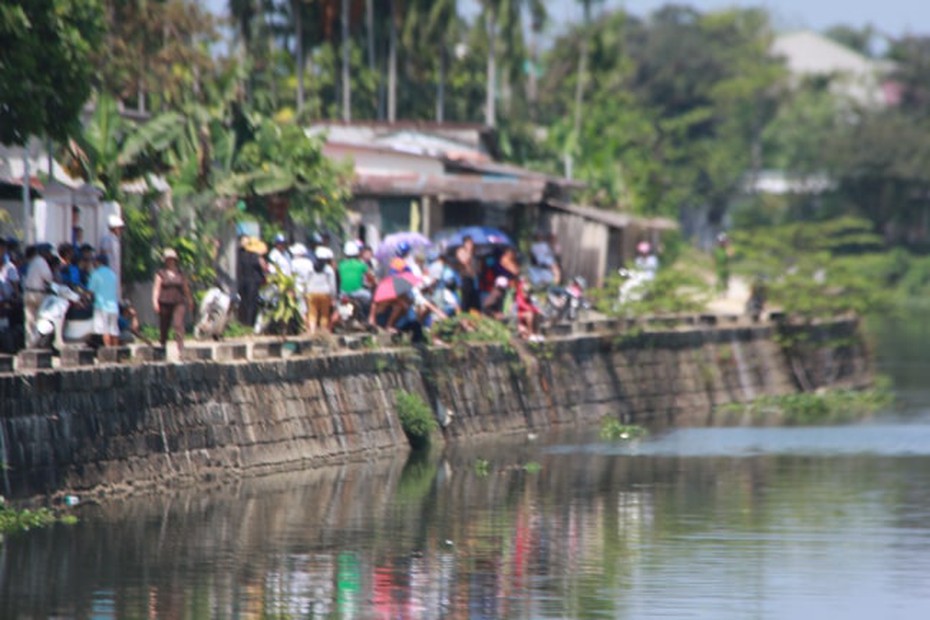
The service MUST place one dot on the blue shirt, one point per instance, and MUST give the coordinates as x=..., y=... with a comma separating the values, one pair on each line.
x=71, y=275
x=103, y=284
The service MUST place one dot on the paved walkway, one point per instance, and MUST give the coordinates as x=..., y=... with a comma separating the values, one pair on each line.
x=734, y=300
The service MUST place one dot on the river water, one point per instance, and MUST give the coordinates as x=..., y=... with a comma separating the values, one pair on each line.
x=720, y=523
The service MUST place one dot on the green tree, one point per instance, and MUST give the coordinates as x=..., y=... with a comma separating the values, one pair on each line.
x=156, y=53
x=284, y=173
x=45, y=77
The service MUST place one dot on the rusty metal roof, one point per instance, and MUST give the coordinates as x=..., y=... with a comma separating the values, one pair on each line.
x=458, y=187
x=614, y=219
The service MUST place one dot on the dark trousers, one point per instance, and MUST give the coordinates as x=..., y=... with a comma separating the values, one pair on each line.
x=248, y=302
x=171, y=315
x=470, y=298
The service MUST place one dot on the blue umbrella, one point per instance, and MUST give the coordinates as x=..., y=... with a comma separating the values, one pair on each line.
x=481, y=235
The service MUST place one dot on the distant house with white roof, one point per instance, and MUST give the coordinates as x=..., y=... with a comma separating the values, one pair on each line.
x=866, y=81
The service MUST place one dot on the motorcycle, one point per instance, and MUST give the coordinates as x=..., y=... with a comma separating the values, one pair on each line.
x=755, y=305
x=268, y=296
x=53, y=325
x=352, y=313
x=567, y=302
x=633, y=287
x=214, y=312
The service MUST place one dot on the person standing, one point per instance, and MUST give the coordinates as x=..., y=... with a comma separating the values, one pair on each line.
x=171, y=296
x=722, y=254
x=105, y=286
x=303, y=268
x=321, y=288
x=35, y=287
x=279, y=259
x=468, y=274
x=252, y=269
x=110, y=246
x=353, y=273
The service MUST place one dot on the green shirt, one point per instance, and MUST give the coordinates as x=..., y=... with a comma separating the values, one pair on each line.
x=352, y=274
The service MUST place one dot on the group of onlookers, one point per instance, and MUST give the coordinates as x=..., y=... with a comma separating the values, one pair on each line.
x=27, y=273
x=419, y=287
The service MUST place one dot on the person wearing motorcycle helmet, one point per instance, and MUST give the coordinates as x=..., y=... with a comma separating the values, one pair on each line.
x=279, y=258
x=646, y=261
x=321, y=289
x=352, y=271
x=403, y=253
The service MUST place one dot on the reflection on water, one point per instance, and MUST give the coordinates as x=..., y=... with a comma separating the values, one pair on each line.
x=693, y=523
x=763, y=523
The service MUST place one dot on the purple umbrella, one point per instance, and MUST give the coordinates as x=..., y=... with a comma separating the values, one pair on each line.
x=389, y=244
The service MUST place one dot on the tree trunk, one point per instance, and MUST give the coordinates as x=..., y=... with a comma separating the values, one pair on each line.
x=346, y=81
x=370, y=33
x=580, y=85
x=441, y=86
x=392, y=66
x=490, y=113
x=299, y=42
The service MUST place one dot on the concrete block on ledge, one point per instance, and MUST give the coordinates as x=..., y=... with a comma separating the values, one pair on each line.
x=146, y=353
x=266, y=350
x=72, y=357
x=230, y=351
x=33, y=359
x=113, y=355
x=197, y=353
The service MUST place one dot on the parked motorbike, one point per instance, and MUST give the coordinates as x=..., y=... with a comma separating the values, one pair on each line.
x=214, y=312
x=755, y=305
x=568, y=302
x=267, y=302
x=352, y=313
x=53, y=325
x=633, y=287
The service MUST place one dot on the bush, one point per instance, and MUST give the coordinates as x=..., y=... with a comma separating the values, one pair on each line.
x=614, y=430
x=416, y=418
x=822, y=407
x=12, y=520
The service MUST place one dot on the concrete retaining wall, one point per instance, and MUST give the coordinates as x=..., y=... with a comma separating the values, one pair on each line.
x=133, y=427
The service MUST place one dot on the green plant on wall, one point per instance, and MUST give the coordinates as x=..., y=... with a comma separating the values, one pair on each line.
x=416, y=418
x=615, y=430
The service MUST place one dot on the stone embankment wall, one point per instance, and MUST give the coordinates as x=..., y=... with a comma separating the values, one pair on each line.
x=131, y=427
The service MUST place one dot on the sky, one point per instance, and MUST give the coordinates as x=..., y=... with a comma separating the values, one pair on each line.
x=892, y=17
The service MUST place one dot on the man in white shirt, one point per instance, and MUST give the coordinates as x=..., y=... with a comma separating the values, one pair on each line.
x=35, y=287
x=278, y=258
x=111, y=248
x=302, y=266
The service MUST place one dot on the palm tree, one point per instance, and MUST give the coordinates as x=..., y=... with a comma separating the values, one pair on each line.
x=504, y=22
x=587, y=6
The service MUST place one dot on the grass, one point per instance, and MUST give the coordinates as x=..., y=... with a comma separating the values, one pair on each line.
x=821, y=407
x=12, y=520
x=614, y=430
x=416, y=418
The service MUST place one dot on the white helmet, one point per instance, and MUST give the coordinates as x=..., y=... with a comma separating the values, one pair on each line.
x=323, y=253
x=350, y=248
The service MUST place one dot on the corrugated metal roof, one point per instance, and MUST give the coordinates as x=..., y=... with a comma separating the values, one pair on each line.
x=461, y=187
x=614, y=219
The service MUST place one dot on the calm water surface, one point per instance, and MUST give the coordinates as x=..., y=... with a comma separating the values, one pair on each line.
x=696, y=523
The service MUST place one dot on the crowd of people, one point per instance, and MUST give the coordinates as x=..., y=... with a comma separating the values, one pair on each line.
x=28, y=273
x=404, y=292
x=406, y=289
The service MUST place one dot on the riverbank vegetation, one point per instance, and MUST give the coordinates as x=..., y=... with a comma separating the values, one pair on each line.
x=416, y=418
x=819, y=407
x=14, y=520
